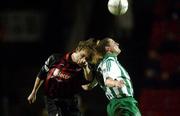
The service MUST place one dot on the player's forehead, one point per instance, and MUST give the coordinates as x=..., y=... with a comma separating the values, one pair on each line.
x=111, y=41
x=84, y=51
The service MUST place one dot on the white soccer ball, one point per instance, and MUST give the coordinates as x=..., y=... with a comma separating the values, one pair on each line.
x=117, y=7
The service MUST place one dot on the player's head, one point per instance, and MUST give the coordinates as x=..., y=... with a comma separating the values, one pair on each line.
x=85, y=50
x=108, y=45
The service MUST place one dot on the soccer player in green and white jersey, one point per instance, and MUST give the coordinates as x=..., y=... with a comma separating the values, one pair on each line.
x=114, y=80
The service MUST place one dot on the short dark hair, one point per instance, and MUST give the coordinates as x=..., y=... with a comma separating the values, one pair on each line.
x=101, y=46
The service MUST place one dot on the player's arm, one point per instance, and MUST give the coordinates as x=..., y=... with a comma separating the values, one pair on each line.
x=114, y=83
x=41, y=77
x=109, y=80
x=90, y=86
x=90, y=74
x=37, y=84
x=87, y=72
x=86, y=69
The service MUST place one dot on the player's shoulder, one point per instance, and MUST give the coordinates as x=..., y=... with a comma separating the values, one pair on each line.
x=105, y=61
x=109, y=59
x=53, y=58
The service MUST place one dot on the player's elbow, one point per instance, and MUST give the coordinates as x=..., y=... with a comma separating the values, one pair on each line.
x=87, y=87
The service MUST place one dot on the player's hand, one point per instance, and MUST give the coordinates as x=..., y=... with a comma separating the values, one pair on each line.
x=119, y=83
x=32, y=98
x=82, y=63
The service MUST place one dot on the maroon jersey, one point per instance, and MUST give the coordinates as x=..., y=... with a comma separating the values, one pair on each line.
x=63, y=78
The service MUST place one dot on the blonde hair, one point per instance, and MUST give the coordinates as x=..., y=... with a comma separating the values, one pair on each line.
x=89, y=45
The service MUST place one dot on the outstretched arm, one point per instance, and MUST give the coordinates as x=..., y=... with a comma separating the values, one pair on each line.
x=42, y=75
x=32, y=97
x=114, y=83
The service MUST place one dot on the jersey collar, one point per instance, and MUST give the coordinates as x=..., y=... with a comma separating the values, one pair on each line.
x=109, y=55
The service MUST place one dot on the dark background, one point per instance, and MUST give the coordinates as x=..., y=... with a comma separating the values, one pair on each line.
x=148, y=34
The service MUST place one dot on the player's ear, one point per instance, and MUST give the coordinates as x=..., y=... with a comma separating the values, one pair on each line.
x=107, y=48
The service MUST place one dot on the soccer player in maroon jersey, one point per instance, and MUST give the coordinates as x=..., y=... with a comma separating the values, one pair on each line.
x=63, y=77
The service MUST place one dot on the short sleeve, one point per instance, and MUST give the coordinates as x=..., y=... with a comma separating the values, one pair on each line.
x=47, y=65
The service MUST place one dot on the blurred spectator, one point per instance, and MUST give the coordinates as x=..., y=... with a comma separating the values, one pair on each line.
x=152, y=66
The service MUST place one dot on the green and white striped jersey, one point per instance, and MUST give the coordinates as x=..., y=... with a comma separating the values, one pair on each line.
x=110, y=67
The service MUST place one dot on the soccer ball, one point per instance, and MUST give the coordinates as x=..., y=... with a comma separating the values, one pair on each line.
x=117, y=7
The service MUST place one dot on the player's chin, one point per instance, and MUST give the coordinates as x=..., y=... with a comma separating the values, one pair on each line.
x=119, y=51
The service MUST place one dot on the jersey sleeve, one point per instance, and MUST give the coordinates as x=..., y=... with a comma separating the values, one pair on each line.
x=47, y=65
